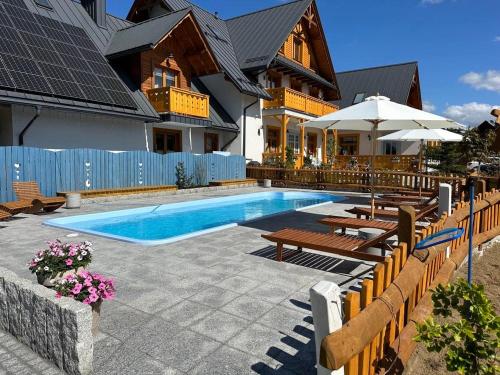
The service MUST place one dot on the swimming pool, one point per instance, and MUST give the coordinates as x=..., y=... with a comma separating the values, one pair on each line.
x=173, y=222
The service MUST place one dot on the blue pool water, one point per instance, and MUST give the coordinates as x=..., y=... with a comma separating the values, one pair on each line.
x=173, y=222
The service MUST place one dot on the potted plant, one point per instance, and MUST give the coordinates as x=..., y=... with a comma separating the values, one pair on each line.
x=90, y=288
x=60, y=259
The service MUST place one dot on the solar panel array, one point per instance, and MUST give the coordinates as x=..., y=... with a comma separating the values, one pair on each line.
x=42, y=55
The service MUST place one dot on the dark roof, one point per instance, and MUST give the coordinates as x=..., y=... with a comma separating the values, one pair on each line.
x=287, y=63
x=258, y=36
x=72, y=13
x=218, y=115
x=218, y=37
x=393, y=81
x=144, y=35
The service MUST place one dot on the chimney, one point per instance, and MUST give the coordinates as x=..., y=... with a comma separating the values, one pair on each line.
x=97, y=10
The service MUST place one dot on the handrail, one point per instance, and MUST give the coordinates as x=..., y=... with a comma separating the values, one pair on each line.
x=181, y=101
x=285, y=97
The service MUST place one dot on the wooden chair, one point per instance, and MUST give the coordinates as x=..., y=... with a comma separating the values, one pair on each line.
x=391, y=214
x=339, y=222
x=29, y=191
x=4, y=215
x=18, y=207
x=346, y=245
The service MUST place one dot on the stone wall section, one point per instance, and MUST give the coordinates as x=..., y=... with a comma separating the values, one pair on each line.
x=57, y=329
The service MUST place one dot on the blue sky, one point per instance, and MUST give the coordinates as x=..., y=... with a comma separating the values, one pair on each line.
x=456, y=42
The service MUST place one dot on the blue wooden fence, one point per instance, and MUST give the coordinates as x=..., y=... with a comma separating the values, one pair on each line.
x=86, y=169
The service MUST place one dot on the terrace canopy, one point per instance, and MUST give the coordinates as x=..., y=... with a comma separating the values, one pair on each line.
x=379, y=113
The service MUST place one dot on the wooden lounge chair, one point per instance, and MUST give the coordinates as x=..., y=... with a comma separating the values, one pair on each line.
x=339, y=222
x=29, y=191
x=346, y=245
x=4, y=215
x=390, y=214
x=18, y=207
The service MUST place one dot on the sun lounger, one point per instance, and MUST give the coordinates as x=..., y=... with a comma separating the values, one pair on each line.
x=338, y=222
x=4, y=215
x=346, y=245
x=390, y=214
x=18, y=207
x=29, y=191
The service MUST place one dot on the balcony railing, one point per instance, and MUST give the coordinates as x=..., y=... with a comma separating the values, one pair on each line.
x=287, y=98
x=183, y=102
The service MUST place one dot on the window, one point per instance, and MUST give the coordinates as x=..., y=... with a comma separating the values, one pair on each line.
x=273, y=139
x=166, y=140
x=273, y=80
x=297, y=49
x=211, y=142
x=158, y=78
x=44, y=3
x=172, y=78
x=349, y=144
x=359, y=97
x=293, y=142
x=391, y=148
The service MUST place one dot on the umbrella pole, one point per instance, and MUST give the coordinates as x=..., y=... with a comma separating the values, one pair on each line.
x=421, y=168
x=372, y=180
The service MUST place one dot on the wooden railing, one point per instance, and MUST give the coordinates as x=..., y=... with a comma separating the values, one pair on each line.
x=360, y=162
x=355, y=180
x=183, y=102
x=377, y=335
x=287, y=98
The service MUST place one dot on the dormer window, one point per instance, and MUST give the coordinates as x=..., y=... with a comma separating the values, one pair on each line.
x=297, y=49
x=43, y=3
x=359, y=97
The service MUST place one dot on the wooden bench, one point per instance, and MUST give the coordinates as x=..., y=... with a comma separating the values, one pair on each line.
x=120, y=191
x=246, y=181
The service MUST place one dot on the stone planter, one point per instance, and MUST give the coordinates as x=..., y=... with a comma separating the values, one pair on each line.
x=96, y=317
x=73, y=200
x=267, y=183
x=50, y=282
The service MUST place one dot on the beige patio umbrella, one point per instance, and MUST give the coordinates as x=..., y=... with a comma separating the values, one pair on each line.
x=379, y=113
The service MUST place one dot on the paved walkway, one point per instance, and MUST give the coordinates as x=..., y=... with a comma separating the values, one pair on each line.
x=214, y=304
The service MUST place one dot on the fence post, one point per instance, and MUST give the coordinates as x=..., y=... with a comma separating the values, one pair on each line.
x=406, y=226
x=445, y=193
x=326, y=308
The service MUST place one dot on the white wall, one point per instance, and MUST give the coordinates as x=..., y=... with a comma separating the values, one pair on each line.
x=64, y=129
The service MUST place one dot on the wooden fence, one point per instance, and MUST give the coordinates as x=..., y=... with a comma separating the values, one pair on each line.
x=338, y=179
x=86, y=169
x=379, y=327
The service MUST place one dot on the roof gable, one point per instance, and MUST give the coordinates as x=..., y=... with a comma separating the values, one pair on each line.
x=144, y=35
x=393, y=81
x=258, y=36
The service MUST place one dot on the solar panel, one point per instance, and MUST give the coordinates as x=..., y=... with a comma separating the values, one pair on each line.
x=45, y=56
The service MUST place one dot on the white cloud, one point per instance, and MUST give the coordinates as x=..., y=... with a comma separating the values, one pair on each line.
x=428, y=106
x=483, y=81
x=470, y=113
x=432, y=2
x=497, y=39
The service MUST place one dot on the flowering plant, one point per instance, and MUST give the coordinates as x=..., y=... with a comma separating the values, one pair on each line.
x=89, y=288
x=61, y=257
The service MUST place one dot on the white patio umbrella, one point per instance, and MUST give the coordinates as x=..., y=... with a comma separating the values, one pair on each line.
x=379, y=113
x=422, y=135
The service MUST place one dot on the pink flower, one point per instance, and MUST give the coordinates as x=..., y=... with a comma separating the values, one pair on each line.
x=102, y=286
x=77, y=289
x=72, y=253
x=92, y=290
x=86, y=301
x=88, y=282
x=70, y=277
x=69, y=262
x=93, y=298
x=58, y=295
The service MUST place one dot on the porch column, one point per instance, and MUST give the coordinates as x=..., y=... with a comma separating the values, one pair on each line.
x=324, y=156
x=302, y=129
x=284, y=123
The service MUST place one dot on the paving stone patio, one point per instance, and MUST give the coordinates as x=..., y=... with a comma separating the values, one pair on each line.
x=214, y=304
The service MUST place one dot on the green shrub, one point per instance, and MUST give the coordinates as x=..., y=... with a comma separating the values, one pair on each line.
x=470, y=333
x=182, y=182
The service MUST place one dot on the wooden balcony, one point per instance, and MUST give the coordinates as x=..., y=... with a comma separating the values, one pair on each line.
x=286, y=98
x=179, y=101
